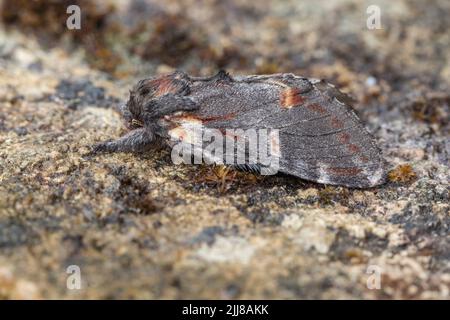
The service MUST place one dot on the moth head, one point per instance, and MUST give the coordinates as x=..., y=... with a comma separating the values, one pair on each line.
x=150, y=89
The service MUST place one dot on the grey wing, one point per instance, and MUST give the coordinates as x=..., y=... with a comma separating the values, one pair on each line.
x=326, y=142
x=320, y=137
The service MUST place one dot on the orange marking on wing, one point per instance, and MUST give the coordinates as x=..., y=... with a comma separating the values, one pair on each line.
x=344, y=171
x=336, y=123
x=195, y=118
x=344, y=138
x=317, y=108
x=353, y=148
x=290, y=98
x=364, y=159
x=228, y=116
x=178, y=133
x=184, y=117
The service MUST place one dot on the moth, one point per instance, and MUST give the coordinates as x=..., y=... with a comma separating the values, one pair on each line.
x=321, y=139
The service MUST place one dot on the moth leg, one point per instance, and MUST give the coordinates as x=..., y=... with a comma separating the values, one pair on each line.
x=137, y=140
x=167, y=104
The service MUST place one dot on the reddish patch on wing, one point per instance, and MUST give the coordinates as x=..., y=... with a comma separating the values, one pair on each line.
x=344, y=171
x=178, y=133
x=193, y=117
x=353, y=148
x=344, y=138
x=317, y=108
x=290, y=98
x=228, y=116
x=185, y=117
x=336, y=123
x=363, y=159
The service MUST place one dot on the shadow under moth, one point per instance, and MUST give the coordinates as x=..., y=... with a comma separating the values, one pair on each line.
x=320, y=138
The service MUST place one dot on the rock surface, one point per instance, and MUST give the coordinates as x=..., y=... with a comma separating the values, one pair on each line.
x=138, y=226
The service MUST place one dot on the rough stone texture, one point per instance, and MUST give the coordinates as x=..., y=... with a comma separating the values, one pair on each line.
x=140, y=227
